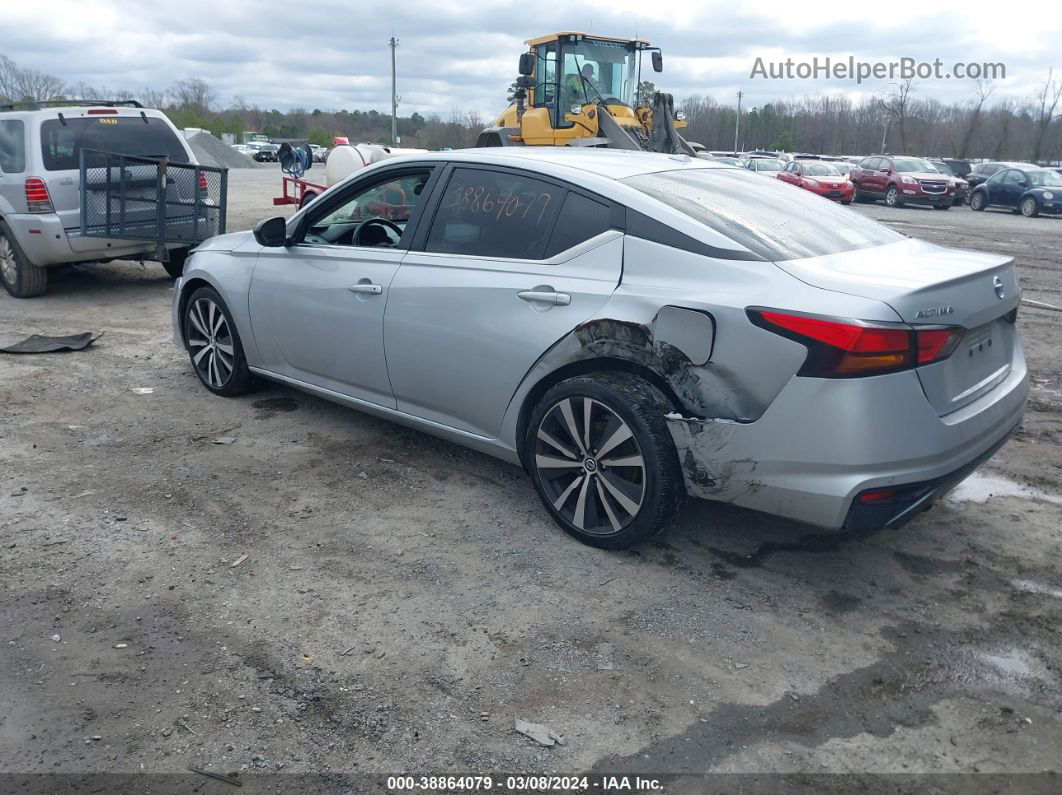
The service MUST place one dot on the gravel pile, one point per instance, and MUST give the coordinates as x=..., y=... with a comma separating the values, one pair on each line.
x=211, y=151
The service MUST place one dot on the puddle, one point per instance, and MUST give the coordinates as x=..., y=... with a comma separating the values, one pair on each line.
x=1038, y=588
x=1012, y=662
x=981, y=488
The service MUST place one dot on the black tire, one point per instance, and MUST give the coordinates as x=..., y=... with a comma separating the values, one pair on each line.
x=1030, y=208
x=19, y=276
x=175, y=265
x=620, y=404
x=307, y=197
x=892, y=197
x=223, y=372
x=977, y=201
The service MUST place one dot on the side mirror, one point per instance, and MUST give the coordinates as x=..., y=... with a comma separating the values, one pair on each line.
x=658, y=61
x=527, y=64
x=271, y=232
x=1023, y=183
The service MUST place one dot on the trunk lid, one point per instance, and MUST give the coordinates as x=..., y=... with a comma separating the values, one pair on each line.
x=929, y=285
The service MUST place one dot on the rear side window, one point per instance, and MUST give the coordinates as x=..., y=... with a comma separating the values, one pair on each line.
x=147, y=136
x=494, y=214
x=580, y=219
x=765, y=216
x=12, y=146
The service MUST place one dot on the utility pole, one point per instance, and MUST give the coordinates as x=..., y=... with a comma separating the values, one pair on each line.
x=394, y=95
x=884, y=135
x=737, y=121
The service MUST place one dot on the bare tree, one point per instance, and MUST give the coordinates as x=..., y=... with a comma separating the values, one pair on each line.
x=983, y=91
x=17, y=83
x=1048, y=100
x=194, y=94
x=895, y=106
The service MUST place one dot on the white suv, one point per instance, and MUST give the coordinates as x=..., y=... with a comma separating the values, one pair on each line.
x=40, y=191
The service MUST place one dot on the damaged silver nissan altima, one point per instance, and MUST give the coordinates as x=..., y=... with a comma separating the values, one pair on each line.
x=631, y=328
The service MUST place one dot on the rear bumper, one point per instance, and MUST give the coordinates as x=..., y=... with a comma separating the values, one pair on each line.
x=823, y=442
x=46, y=243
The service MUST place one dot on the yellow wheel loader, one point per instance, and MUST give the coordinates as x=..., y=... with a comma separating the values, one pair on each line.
x=576, y=89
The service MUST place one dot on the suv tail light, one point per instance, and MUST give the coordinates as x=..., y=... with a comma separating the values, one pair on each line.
x=852, y=348
x=203, y=189
x=37, y=198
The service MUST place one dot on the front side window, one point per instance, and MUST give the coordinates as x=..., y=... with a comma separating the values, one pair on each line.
x=494, y=214
x=598, y=70
x=1013, y=177
x=767, y=217
x=12, y=146
x=145, y=136
x=373, y=216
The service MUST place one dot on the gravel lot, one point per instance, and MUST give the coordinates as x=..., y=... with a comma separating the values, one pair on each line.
x=403, y=600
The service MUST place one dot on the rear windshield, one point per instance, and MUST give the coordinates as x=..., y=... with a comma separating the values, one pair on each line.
x=63, y=140
x=768, y=217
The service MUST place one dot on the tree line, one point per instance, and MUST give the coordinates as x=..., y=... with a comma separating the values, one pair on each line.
x=897, y=120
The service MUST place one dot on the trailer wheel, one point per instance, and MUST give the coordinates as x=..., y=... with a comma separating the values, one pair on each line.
x=307, y=197
x=175, y=265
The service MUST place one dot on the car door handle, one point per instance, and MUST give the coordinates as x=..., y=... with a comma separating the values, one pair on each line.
x=543, y=297
x=366, y=289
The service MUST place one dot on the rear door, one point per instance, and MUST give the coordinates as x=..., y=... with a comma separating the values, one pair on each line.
x=510, y=263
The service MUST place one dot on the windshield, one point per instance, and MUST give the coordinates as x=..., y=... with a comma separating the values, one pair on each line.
x=1045, y=178
x=608, y=68
x=766, y=216
x=767, y=165
x=820, y=170
x=145, y=136
x=912, y=164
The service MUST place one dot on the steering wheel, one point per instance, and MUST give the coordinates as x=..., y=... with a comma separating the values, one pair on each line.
x=383, y=229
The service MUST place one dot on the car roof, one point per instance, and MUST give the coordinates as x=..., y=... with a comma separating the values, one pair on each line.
x=613, y=164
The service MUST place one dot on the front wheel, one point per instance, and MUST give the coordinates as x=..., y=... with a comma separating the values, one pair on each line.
x=603, y=461
x=977, y=201
x=892, y=197
x=213, y=344
x=1029, y=207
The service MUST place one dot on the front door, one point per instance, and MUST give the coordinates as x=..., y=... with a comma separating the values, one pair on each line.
x=317, y=306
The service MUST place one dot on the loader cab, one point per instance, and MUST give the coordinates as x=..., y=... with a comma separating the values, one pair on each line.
x=575, y=69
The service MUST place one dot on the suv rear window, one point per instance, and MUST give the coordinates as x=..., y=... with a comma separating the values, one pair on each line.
x=147, y=136
x=12, y=146
x=768, y=217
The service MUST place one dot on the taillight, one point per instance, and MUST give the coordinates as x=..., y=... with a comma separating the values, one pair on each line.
x=37, y=198
x=847, y=348
x=203, y=184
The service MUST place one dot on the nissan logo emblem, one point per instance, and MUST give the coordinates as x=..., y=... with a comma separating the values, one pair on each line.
x=997, y=283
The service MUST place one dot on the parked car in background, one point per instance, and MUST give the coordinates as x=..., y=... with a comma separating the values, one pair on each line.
x=511, y=333
x=725, y=159
x=960, y=168
x=319, y=153
x=764, y=165
x=40, y=185
x=982, y=171
x=819, y=177
x=243, y=149
x=1030, y=191
x=962, y=188
x=266, y=153
x=901, y=180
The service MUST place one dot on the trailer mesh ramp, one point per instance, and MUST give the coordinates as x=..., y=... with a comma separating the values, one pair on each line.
x=124, y=197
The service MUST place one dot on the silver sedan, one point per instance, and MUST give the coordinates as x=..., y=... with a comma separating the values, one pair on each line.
x=631, y=328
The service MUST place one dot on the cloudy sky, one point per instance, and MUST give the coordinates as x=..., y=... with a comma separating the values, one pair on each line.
x=325, y=54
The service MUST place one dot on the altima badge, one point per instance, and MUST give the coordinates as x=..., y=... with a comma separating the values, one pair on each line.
x=934, y=311
x=997, y=283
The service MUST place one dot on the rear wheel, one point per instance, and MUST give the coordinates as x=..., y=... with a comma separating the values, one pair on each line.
x=213, y=344
x=19, y=276
x=1029, y=207
x=892, y=197
x=977, y=201
x=603, y=461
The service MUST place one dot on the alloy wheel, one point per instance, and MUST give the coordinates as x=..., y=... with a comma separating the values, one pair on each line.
x=1028, y=208
x=590, y=465
x=210, y=342
x=8, y=263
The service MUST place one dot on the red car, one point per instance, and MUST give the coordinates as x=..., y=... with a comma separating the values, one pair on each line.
x=903, y=180
x=819, y=177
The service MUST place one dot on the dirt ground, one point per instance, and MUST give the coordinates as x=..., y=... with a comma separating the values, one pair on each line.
x=401, y=600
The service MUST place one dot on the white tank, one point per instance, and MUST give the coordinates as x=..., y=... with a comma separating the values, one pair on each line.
x=345, y=159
